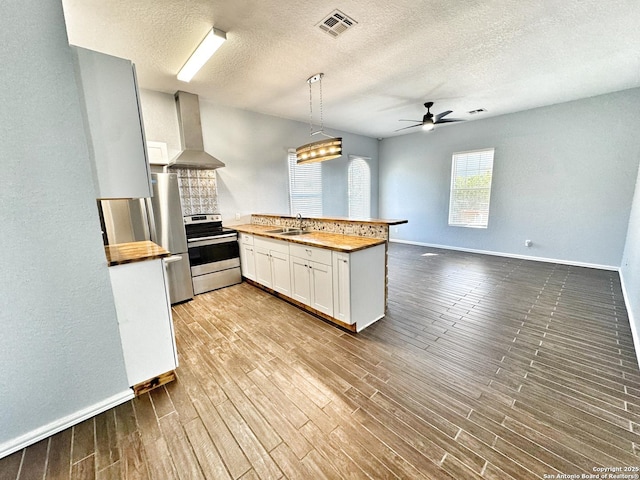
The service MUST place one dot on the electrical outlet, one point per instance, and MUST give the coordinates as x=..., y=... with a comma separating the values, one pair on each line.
x=237, y=216
x=527, y=243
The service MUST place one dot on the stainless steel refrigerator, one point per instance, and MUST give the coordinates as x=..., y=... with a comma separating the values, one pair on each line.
x=160, y=220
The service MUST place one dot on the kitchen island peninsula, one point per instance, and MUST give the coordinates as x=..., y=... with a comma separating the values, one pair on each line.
x=335, y=268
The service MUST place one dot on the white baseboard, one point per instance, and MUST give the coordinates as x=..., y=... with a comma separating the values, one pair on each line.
x=632, y=323
x=511, y=255
x=52, y=428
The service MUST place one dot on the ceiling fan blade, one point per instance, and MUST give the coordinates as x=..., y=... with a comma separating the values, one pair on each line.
x=405, y=120
x=410, y=126
x=443, y=114
x=450, y=120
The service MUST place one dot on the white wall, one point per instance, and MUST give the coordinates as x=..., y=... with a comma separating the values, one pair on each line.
x=254, y=148
x=59, y=347
x=563, y=177
x=630, y=268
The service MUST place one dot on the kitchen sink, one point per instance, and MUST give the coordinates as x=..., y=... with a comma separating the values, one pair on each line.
x=296, y=232
x=289, y=231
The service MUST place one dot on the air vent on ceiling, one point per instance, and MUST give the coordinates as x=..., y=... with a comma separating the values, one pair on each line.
x=336, y=23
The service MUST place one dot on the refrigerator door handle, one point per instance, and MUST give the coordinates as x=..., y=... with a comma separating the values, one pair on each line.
x=144, y=209
x=151, y=223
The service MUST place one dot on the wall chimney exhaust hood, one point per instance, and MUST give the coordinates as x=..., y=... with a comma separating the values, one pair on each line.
x=192, y=154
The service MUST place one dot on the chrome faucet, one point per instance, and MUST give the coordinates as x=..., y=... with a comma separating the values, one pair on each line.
x=299, y=217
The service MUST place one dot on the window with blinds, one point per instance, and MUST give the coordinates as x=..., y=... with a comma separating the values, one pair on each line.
x=359, y=178
x=471, y=174
x=305, y=187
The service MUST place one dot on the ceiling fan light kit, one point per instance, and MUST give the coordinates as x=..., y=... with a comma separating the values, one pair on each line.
x=428, y=123
x=322, y=150
x=203, y=52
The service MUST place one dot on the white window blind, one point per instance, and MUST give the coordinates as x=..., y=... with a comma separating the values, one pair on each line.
x=359, y=180
x=305, y=187
x=471, y=174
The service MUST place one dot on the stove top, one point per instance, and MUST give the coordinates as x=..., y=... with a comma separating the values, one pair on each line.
x=206, y=225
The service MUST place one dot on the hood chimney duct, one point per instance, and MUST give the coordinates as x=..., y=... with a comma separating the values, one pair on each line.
x=192, y=154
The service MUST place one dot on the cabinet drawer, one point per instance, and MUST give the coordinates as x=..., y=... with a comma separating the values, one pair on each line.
x=319, y=255
x=272, y=245
x=245, y=239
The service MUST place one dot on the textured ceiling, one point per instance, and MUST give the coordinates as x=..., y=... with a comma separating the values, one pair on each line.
x=503, y=55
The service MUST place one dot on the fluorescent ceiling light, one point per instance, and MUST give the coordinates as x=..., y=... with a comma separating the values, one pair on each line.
x=199, y=57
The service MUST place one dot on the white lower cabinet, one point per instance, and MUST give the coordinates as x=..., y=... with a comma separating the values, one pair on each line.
x=143, y=309
x=321, y=287
x=263, y=267
x=272, y=264
x=311, y=280
x=349, y=287
x=280, y=272
x=341, y=287
x=300, y=280
x=247, y=256
x=359, y=286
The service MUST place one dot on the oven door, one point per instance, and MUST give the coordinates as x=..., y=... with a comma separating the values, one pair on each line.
x=213, y=254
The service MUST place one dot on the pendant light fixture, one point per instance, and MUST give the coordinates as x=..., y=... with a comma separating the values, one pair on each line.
x=325, y=149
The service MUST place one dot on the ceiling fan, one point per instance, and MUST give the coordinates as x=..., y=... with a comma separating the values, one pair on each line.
x=428, y=121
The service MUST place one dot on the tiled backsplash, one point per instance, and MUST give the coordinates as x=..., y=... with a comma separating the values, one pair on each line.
x=198, y=191
x=353, y=227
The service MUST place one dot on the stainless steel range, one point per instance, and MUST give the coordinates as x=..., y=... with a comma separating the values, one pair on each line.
x=213, y=253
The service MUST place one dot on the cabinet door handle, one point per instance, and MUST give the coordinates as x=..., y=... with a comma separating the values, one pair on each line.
x=172, y=259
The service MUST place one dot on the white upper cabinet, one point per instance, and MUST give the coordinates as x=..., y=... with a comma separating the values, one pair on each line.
x=113, y=122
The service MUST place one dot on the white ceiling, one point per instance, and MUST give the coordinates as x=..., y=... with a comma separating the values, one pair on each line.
x=501, y=55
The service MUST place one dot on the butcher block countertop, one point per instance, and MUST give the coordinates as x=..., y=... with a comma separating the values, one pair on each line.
x=134, y=252
x=331, y=241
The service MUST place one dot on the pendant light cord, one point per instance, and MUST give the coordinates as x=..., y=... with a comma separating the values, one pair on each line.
x=310, y=110
x=321, y=122
x=316, y=78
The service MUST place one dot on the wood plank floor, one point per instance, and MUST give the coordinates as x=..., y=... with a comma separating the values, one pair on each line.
x=484, y=367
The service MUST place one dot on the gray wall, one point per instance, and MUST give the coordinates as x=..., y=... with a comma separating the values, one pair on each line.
x=630, y=268
x=59, y=347
x=254, y=148
x=564, y=178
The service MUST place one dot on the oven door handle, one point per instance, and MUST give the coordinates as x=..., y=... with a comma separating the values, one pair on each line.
x=201, y=242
